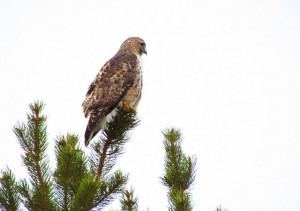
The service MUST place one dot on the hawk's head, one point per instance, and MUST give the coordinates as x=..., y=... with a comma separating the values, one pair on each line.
x=135, y=45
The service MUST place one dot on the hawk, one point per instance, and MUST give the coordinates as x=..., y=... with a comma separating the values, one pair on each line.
x=118, y=83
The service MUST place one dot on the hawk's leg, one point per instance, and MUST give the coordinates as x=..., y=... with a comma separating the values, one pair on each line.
x=126, y=106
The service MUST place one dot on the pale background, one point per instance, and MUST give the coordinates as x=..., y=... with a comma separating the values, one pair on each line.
x=225, y=72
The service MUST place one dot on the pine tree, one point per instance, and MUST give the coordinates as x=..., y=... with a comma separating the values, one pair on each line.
x=9, y=195
x=79, y=182
x=179, y=172
x=87, y=182
x=128, y=201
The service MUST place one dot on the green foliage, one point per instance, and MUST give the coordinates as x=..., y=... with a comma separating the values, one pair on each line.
x=128, y=201
x=86, y=195
x=71, y=169
x=79, y=182
x=111, y=144
x=33, y=139
x=9, y=195
x=114, y=184
x=179, y=172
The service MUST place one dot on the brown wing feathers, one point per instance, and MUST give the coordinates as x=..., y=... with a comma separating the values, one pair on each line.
x=107, y=90
x=119, y=79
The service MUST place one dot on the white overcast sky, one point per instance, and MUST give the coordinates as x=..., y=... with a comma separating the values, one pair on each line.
x=225, y=72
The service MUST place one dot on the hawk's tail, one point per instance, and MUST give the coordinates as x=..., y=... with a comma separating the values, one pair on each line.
x=97, y=122
x=89, y=135
x=93, y=127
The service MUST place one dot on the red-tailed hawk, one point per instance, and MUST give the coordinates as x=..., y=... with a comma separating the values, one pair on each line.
x=118, y=83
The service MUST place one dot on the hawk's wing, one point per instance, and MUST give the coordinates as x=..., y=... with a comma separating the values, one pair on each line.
x=109, y=87
x=111, y=83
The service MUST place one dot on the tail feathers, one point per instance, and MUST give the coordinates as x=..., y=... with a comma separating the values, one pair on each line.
x=89, y=135
x=97, y=122
x=93, y=127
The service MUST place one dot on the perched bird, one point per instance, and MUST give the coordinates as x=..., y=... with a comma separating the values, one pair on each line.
x=118, y=83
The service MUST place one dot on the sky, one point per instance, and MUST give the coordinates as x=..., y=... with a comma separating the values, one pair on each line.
x=226, y=73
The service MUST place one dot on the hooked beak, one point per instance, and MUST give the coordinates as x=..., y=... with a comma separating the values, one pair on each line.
x=144, y=50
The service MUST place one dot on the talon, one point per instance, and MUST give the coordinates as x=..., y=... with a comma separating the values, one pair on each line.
x=126, y=106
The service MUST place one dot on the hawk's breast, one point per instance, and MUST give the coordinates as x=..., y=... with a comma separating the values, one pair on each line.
x=134, y=93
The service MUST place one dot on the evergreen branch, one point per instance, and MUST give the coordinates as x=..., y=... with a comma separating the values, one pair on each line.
x=179, y=200
x=112, y=141
x=33, y=140
x=27, y=196
x=106, y=151
x=190, y=172
x=71, y=169
x=9, y=196
x=86, y=195
x=114, y=185
x=179, y=172
x=76, y=187
x=102, y=158
x=128, y=201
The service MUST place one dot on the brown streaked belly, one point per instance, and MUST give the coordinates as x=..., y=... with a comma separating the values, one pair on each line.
x=133, y=96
